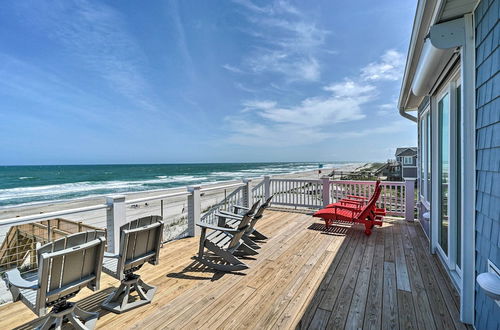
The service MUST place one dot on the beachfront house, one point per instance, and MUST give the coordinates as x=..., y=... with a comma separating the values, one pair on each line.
x=407, y=159
x=451, y=90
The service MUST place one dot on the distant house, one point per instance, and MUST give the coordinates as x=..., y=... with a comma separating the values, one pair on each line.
x=407, y=159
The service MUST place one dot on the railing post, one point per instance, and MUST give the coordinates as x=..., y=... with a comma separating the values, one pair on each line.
x=325, y=180
x=194, y=210
x=247, y=193
x=116, y=217
x=267, y=187
x=410, y=199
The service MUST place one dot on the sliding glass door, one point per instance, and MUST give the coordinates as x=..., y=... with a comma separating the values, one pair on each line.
x=447, y=174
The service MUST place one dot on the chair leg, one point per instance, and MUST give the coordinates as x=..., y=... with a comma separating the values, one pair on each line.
x=80, y=319
x=118, y=301
x=245, y=250
x=233, y=263
x=248, y=241
x=258, y=235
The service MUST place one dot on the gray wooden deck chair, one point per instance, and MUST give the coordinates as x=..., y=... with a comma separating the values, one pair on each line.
x=65, y=266
x=226, y=244
x=140, y=242
x=232, y=219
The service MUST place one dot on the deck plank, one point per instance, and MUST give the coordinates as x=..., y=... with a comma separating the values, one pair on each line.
x=423, y=310
x=402, y=277
x=373, y=312
x=390, y=302
x=358, y=303
x=406, y=310
x=341, y=309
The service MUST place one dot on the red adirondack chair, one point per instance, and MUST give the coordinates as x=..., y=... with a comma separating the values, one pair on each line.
x=357, y=202
x=365, y=215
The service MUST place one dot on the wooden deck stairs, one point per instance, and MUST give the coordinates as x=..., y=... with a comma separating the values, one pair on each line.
x=19, y=246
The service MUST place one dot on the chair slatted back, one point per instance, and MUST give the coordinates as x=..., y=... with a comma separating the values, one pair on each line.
x=262, y=208
x=69, y=264
x=367, y=209
x=140, y=242
x=377, y=184
x=242, y=227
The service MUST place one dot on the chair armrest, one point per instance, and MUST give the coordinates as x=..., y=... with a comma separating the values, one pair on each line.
x=353, y=201
x=214, y=227
x=13, y=276
x=229, y=215
x=344, y=201
x=111, y=255
x=355, y=208
x=356, y=197
x=241, y=207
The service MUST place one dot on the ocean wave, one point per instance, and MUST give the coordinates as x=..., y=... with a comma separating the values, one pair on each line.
x=84, y=189
x=77, y=188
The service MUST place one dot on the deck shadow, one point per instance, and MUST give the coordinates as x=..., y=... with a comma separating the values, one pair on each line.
x=336, y=230
x=200, y=271
x=91, y=303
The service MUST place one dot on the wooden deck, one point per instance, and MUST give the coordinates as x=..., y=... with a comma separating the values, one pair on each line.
x=302, y=278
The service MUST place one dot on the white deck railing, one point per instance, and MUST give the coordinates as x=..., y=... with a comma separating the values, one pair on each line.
x=297, y=192
x=234, y=198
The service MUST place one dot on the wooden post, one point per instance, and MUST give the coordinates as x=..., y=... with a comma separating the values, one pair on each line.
x=247, y=193
x=325, y=180
x=115, y=217
x=410, y=199
x=194, y=210
x=267, y=187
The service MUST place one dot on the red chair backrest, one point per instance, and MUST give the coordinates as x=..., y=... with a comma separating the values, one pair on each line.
x=377, y=184
x=367, y=209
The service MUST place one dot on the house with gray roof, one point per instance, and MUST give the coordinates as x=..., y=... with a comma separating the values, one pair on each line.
x=407, y=159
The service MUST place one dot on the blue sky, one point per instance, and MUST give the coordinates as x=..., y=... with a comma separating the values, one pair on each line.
x=202, y=81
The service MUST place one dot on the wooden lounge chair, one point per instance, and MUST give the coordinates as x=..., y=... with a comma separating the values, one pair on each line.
x=350, y=214
x=140, y=242
x=226, y=243
x=358, y=202
x=251, y=234
x=65, y=266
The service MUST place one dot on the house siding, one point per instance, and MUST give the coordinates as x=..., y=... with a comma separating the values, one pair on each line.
x=487, y=29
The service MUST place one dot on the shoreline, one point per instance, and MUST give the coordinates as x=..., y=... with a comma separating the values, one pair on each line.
x=12, y=211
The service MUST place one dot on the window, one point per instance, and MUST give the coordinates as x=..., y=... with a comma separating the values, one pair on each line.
x=407, y=160
x=458, y=175
x=425, y=156
x=444, y=168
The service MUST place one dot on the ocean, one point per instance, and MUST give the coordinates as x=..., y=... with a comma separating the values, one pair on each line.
x=39, y=184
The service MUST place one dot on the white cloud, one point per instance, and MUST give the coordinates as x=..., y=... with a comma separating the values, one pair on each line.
x=388, y=108
x=310, y=121
x=389, y=67
x=256, y=105
x=394, y=127
x=232, y=68
x=289, y=41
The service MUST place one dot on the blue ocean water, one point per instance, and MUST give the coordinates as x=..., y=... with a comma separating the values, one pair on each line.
x=35, y=184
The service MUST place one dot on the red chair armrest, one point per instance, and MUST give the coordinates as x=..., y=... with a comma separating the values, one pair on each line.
x=358, y=197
